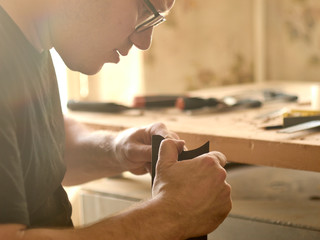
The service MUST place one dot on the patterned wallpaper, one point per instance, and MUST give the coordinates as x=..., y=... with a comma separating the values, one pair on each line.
x=207, y=43
x=293, y=29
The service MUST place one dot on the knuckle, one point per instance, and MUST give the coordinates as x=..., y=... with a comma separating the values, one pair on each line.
x=160, y=128
x=220, y=157
x=167, y=141
x=228, y=189
x=160, y=125
x=130, y=150
x=229, y=207
x=209, y=161
x=213, y=165
x=156, y=126
x=227, y=194
x=222, y=173
x=139, y=130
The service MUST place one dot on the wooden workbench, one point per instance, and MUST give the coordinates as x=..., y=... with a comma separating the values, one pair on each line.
x=238, y=134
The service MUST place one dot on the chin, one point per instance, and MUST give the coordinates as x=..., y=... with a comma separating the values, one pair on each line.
x=90, y=71
x=91, y=68
x=86, y=69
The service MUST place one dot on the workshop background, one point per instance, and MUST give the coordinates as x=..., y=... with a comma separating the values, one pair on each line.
x=211, y=43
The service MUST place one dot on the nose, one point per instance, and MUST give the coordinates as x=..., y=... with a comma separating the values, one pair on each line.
x=142, y=40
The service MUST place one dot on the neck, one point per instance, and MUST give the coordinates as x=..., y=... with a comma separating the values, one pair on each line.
x=30, y=16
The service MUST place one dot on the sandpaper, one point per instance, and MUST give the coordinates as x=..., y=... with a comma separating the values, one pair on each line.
x=184, y=155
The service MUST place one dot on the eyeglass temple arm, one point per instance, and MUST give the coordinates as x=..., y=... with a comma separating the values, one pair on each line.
x=152, y=8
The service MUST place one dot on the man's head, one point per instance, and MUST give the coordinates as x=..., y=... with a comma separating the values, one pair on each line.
x=89, y=33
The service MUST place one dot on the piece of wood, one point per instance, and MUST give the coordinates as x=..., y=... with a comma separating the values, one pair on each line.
x=238, y=134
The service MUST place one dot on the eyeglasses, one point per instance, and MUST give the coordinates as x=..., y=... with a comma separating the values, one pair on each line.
x=148, y=20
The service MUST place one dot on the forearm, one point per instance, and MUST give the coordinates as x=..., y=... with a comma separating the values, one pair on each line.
x=89, y=154
x=149, y=220
x=94, y=154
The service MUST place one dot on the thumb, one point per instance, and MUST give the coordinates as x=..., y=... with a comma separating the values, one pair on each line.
x=169, y=150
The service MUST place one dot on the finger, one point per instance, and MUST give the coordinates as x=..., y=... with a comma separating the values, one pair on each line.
x=139, y=171
x=161, y=129
x=169, y=150
x=171, y=135
x=220, y=157
x=142, y=153
x=148, y=167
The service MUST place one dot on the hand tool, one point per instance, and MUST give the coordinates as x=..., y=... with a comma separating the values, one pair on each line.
x=190, y=103
x=185, y=155
x=295, y=120
x=273, y=95
x=226, y=103
x=293, y=117
x=292, y=121
x=107, y=107
x=301, y=113
x=139, y=102
x=301, y=127
x=272, y=114
x=155, y=101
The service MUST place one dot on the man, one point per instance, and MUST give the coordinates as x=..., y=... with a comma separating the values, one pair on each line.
x=39, y=148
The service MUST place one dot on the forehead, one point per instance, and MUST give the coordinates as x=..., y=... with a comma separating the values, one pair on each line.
x=162, y=5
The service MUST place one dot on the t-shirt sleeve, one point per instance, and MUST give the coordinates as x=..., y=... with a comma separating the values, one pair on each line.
x=13, y=204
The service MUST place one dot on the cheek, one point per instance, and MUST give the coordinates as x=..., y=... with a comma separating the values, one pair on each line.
x=122, y=27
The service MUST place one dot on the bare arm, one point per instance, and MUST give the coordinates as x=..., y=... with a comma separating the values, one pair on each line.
x=149, y=220
x=93, y=154
x=88, y=154
x=190, y=198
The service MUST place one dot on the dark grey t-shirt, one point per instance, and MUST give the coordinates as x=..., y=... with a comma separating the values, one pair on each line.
x=31, y=134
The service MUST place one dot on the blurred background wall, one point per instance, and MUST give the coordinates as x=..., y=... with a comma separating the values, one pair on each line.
x=207, y=43
x=293, y=40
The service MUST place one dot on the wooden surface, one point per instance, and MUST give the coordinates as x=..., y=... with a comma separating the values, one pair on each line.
x=238, y=134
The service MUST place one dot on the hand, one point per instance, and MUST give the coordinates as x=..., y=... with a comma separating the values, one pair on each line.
x=133, y=147
x=195, y=190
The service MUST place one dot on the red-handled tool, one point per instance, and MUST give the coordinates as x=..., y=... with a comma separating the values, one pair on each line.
x=155, y=101
x=190, y=103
